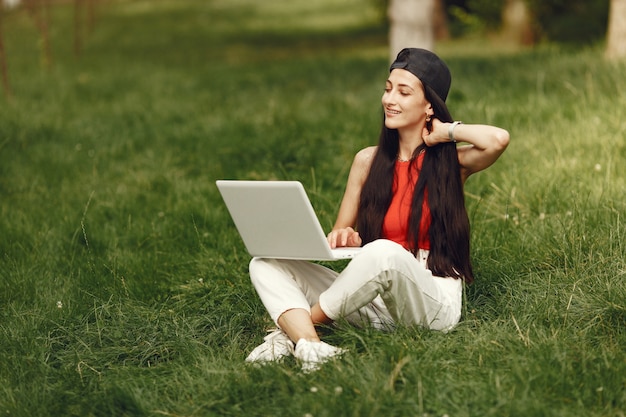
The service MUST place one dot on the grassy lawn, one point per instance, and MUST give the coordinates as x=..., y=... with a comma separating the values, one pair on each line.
x=123, y=283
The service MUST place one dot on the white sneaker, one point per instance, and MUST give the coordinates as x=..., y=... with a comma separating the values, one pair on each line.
x=277, y=346
x=314, y=354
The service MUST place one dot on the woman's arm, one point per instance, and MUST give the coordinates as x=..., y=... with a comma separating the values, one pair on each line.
x=485, y=144
x=343, y=233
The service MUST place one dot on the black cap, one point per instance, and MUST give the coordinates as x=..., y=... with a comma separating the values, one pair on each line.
x=426, y=66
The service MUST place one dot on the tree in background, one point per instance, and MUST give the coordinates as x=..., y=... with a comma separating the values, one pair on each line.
x=571, y=21
x=84, y=21
x=420, y=23
x=411, y=25
x=39, y=10
x=517, y=23
x=3, y=59
x=616, y=34
x=440, y=20
x=531, y=21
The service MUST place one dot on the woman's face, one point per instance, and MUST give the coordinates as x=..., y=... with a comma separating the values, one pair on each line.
x=404, y=102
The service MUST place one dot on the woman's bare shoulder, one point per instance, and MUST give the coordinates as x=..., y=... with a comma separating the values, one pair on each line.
x=361, y=164
x=364, y=157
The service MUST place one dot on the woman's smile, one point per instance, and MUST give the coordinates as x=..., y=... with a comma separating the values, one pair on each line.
x=391, y=112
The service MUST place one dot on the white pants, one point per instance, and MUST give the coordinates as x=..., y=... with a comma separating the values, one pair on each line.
x=383, y=285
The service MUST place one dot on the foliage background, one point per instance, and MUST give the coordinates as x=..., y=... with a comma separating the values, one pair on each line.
x=577, y=22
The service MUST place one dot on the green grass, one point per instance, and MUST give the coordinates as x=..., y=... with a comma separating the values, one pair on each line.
x=123, y=283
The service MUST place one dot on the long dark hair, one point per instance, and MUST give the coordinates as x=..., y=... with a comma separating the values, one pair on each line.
x=440, y=174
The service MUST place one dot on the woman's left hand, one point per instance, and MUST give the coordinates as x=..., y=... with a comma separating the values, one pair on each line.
x=437, y=134
x=483, y=144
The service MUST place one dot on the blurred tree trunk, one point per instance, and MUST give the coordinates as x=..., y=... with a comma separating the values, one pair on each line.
x=442, y=32
x=516, y=24
x=411, y=25
x=3, y=59
x=84, y=22
x=78, y=31
x=616, y=36
x=40, y=12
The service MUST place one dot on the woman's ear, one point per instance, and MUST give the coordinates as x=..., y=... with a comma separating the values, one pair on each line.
x=429, y=109
x=430, y=113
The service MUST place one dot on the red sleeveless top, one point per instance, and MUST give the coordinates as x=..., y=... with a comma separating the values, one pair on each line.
x=395, y=225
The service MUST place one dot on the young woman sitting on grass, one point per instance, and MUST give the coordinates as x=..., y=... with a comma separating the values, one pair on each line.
x=404, y=204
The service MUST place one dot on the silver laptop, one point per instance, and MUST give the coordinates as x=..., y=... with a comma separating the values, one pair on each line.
x=276, y=220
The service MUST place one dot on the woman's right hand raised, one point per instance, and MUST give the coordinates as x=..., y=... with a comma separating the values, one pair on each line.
x=344, y=237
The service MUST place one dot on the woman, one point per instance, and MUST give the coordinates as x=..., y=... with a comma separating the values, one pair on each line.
x=404, y=204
